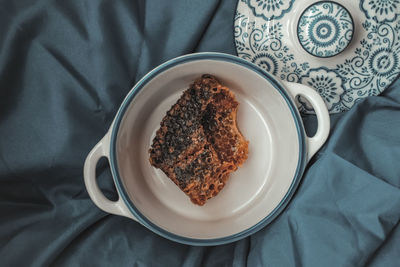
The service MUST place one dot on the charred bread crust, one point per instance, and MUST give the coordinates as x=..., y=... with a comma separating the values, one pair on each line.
x=198, y=143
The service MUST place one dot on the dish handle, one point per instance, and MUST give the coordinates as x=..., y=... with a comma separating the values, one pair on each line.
x=313, y=143
x=101, y=149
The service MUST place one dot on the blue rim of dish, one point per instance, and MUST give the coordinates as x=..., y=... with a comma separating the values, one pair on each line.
x=251, y=230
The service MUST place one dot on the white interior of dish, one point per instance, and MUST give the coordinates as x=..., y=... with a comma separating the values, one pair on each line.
x=251, y=193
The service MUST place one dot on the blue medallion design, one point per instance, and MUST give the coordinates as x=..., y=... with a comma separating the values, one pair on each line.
x=325, y=29
x=269, y=9
x=327, y=83
x=383, y=62
x=381, y=10
x=375, y=64
x=368, y=68
x=267, y=62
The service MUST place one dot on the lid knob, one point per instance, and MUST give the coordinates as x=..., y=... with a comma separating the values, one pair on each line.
x=325, y=29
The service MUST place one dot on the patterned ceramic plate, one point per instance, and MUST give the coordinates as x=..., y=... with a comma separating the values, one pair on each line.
x=346, y=50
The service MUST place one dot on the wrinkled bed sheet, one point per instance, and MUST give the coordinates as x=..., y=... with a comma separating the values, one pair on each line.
x=65, y=67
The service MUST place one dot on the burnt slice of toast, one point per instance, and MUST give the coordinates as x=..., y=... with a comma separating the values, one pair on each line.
x=198, y=143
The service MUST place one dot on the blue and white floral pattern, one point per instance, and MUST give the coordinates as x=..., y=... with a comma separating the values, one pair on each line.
x=269, y=9
x=327, y=83
x=325, y=29
x=365, y=68
x=267, y=62
x=375, y=63
x=381, y=10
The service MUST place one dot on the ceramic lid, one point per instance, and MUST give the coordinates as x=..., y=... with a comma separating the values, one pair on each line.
x=345, y=50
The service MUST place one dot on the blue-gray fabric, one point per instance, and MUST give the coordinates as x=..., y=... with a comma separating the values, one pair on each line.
x=65, y=67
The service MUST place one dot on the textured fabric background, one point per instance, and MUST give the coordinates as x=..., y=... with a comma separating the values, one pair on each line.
x=65, y=67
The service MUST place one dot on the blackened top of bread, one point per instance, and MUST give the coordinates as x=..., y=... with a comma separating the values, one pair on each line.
x=198, y=143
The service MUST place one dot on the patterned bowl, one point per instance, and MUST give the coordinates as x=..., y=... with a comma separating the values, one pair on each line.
x=345, y=50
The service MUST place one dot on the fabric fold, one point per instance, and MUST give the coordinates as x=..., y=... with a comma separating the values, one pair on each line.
x=65, y=68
